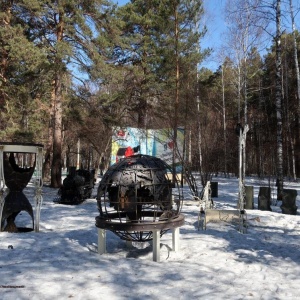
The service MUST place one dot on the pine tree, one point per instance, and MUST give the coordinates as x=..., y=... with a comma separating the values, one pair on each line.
x=22, y=70
x=66, y=31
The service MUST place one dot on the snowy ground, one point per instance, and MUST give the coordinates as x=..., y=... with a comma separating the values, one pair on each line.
x=61, y=261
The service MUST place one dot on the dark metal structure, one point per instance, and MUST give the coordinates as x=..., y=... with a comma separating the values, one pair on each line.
x=136, y=196
x=77, y=186
x=17, y=165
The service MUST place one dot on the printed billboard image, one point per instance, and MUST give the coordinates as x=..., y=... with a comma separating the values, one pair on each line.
x=159, y=143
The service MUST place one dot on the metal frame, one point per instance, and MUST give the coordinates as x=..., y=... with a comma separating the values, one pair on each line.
x=36, y=149
x=208, y=213
x=155, y=244
x=136, y=202
x=136, y=197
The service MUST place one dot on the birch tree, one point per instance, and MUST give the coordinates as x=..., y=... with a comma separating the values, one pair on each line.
x=295, y=48
x=245, y=35
x=278, y=100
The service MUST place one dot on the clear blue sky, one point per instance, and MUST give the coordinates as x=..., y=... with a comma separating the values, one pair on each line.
x=215, y=23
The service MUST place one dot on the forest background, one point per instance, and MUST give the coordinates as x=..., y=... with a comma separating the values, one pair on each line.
x=73, y=71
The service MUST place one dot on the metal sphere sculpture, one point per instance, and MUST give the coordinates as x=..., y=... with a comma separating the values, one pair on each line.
x=135, y=196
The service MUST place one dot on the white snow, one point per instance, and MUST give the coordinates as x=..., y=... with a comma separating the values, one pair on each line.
x=61, y=261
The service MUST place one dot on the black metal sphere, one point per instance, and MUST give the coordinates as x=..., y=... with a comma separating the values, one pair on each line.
x=136, y=196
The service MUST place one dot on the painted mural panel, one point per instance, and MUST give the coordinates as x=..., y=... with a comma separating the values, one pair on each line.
x=159, y=143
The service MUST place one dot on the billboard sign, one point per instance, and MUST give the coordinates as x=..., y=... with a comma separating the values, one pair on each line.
x=155, y=142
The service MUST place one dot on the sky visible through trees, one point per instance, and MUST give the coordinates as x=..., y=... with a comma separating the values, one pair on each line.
x=214, y=19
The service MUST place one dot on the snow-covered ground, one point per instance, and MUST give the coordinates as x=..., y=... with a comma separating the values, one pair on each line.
x=61, y=261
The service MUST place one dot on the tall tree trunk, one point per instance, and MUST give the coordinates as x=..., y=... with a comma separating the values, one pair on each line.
x=199, y=136
x=57, y=136
x=224, y=122
x=49, y=146
x=176, y=104
x=245, y=89
x=295, y=48
x=278, y=95
x=57, y=131
x=289, y=137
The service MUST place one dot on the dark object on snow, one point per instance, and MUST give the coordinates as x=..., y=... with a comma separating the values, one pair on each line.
x=249, y=200
x=214, y=189
x=16, y=179
x=264, y=198
x=77, y=186
x=289, y=202
x=136, y=197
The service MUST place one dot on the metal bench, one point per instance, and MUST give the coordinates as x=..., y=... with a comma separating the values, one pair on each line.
x=208, y=214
